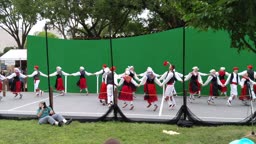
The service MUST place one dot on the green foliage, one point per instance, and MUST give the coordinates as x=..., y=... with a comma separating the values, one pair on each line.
x=6, y=49
x=30, y=132
x=17, y=18
x=235, y=16
x=49, y=34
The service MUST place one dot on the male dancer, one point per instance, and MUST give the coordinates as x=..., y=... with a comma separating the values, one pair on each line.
x=36, y=75
x=234, y=80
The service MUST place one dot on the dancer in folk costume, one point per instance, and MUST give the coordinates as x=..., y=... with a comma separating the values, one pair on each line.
x=59, y=81
x=166, y=63
x=247, y=92
x=82, y=80
x=134, y=76
x=16, y=84
x=103, y=88
x=195, y=83
x=2, y=78
x=36, y=75
x=146, y=72
x=221, y=74
x=251, y=74
x=214, y=86
x=126, y=93
x=111, y=82
x=149, y=81
x=170, y=81
x=234, y=80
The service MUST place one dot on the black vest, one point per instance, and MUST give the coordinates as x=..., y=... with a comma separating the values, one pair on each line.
x=37, y=76
x=82, y=74
x=171, y=81
x=194, y=77
x=110, y=79
x=131, y=74
x=232, y=76
x=59, y=74
x=251, y=74
x=214, y=80
x=150, y=80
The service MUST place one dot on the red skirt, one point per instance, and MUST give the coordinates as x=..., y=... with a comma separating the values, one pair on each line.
x=223, y=89
x=103, y=91
x=244, y=94
x=254, y=88
x=151, y=92
x=214, y=90
x=194, y=87
x=17, y=87
x=126, y=93
x=82, y=83
x=59, y=85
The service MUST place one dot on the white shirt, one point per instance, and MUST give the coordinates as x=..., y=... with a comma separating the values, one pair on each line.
x=115, y=78
x=35, y=73
x=210, y=78
x=14, y=75
x=132, y=81
x=233, y=80
x=144, y=79
x=79, y=73
x=244, y=72
x=2, y=77
x=187, y=77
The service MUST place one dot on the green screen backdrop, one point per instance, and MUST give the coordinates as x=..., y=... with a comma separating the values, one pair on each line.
x=206, y=50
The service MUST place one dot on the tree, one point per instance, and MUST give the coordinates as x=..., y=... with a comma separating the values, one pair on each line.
x=17, y=18
x=237, y=17
x=49, y=34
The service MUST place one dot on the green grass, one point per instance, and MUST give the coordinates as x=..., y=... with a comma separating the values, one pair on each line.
x=29, y=132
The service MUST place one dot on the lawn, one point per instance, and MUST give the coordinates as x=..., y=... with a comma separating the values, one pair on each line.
x=29, y=132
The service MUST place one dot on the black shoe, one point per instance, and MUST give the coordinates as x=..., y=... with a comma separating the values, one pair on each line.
x=60, y=124
x=69, y=121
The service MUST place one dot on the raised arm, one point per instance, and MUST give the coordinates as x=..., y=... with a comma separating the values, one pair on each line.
x=203, y=74
x=136, y=77
x=156, y=80
x=65, y=74
x=53, y=74
x=187, y=77
x=33, y=74
x=242, y=73
x=178, y=77
x=99, y=72
x=121, y=82
x=87, y=73
x=2, y=77
x=42, y=74
x=208, y=80
x=76, y=74
x=22, y=75
x=134, y=82
x=163, y=76
x=11, y=76
x=143, y=81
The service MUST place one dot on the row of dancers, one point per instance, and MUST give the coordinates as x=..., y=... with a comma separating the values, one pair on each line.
x=149, y=79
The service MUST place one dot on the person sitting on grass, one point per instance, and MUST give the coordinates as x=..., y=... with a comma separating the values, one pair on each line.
x=46, y=115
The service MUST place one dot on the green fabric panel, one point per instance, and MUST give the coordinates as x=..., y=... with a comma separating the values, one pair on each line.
x=206, y=50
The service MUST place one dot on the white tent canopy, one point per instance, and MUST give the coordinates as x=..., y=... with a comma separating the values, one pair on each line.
x=15, y=55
